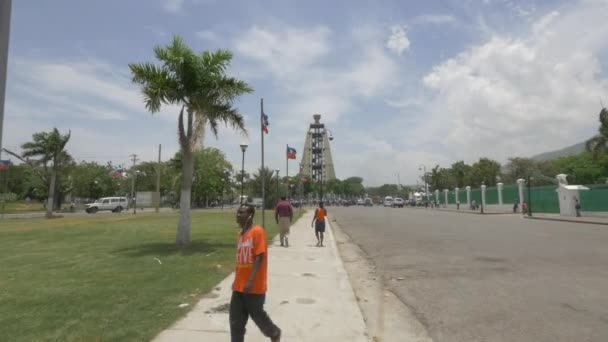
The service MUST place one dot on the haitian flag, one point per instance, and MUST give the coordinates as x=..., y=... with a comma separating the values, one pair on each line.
x=118, y=173
x=291, y=152
x=4, y=165
x=264, y=120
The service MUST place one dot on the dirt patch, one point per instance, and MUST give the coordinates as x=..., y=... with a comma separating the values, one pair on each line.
x=224, y=308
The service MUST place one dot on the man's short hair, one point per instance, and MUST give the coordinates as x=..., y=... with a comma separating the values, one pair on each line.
x=250, y=208
x=283, y=198
x=321, y=204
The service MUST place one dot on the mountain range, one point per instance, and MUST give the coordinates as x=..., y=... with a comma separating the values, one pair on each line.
x=564, y=152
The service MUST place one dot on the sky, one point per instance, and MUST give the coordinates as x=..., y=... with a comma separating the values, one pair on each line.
x=400, y=84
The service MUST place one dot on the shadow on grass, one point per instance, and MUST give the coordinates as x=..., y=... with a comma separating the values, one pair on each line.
x=170, y=248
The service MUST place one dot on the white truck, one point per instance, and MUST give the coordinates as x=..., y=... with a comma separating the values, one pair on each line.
x=114, y=204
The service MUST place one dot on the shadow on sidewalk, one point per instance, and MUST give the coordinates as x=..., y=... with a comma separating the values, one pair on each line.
x=170, y=248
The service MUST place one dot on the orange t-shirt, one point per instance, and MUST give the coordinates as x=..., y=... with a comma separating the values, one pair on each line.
x=249, y=245
x=320, y=214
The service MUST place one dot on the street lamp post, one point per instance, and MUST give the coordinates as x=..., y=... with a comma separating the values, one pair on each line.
x=137, y=172
x=277, y=171
x=243, y=148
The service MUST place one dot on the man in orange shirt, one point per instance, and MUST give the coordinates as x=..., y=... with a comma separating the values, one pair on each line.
x=318, y=221
x=249, y=286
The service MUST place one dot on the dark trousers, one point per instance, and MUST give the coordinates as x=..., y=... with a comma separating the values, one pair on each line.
x=244, y=305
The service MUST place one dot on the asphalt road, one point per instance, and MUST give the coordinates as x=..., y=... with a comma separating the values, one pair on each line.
x=489, y=278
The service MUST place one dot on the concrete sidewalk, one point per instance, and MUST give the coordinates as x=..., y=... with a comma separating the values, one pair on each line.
x=556, y=217
x=309, y=297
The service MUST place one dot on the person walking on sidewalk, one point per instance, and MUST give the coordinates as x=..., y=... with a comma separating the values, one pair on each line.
x=319, y=223
x=577, y=207
x=249, y=286
x=283, y=215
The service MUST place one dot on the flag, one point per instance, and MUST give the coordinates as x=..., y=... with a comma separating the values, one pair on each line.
x=264, y=120
x=4, y=165
x=291, y=152
x=118, y=173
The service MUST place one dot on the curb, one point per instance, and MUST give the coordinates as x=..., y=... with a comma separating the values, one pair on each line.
x=565, y=220
x=464, y=211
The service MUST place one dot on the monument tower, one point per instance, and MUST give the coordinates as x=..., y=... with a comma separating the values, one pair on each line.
x=317, y=163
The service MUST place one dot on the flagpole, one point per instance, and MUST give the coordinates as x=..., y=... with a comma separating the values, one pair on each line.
x=287, y=172
x=263, y=171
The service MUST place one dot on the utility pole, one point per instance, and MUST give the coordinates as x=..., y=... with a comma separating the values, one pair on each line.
x=5, y=27
x=158, y=179
x=133, y=175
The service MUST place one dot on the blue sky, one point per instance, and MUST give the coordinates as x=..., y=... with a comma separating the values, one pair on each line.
x=399, y=83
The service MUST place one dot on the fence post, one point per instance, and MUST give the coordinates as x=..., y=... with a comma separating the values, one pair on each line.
x=499, y=188
x=445, y=195
x=520, y=184
x=437, y=196
x=483, y=198
x=468, y=188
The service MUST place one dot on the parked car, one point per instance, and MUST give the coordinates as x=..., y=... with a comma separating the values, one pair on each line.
x=359, y=202
x=388, y=201
x=257, y=202
x=368, y=202
x=115, y=204
x=398, y=203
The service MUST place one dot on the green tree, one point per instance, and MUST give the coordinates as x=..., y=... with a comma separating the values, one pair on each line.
x=200, y=86
x=485, y=172
x=19, y=179
x=91, y=180
x=52, y=159
x=270, y=186
x=353, y=186
x=598, y=145
x=518, y=168
x=461, y=173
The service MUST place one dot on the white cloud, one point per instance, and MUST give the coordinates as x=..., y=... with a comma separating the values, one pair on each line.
x=296, y=61
x=520, y=96
x=94, y=99
x=398, y=41
x=173, y=6
x=434, y=19
x=287, y=51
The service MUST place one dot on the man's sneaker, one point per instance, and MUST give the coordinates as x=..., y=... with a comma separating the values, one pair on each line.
x=276, y=338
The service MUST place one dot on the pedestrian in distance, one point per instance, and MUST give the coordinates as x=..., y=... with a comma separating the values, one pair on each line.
x=283, y=215
x=318, y=221
x=250, y=280
x=577, y=207
x=515, y=205
x=524, y=208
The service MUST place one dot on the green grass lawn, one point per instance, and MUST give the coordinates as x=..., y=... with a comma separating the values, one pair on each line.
x=22, y=207
x=94, y=278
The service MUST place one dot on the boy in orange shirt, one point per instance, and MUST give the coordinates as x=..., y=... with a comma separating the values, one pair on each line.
x=249, y=287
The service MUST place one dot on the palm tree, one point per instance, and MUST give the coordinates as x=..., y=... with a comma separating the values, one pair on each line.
x=199, y=84
x=599, y=143
x=49, y=148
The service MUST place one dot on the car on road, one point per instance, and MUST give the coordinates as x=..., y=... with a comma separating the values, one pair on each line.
x=368, y=202
x=114, y=204
x=257, y=202
x=359, y=202
x=388, y=201
x=398, y=203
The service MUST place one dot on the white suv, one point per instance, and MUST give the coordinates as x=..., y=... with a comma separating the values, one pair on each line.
x=388, y=201
x=115, y=204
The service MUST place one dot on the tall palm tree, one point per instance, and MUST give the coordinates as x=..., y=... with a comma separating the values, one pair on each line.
x=199, y=84
x=49, y=149
x=599, y=143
